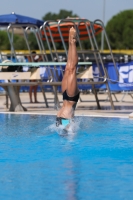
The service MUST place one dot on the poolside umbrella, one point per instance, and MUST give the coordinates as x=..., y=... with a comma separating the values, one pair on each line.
x=87, y=74
x=13, y=18
x=65, y=26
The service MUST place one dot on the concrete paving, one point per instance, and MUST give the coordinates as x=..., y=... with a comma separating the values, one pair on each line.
x=86, y=105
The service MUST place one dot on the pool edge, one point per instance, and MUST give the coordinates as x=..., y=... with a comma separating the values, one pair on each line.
x=78, y=115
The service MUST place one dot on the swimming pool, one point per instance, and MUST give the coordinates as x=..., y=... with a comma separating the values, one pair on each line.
x=95, y=162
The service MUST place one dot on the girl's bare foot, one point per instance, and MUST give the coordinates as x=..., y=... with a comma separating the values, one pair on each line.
x=72, y=35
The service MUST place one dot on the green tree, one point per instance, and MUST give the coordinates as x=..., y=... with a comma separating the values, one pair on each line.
x=19, y=42
x=4, y=41
x=32, y=41
x=120, y=30
x=61, y=15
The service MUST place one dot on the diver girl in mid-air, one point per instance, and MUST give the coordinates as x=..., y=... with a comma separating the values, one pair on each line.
x=69, y=86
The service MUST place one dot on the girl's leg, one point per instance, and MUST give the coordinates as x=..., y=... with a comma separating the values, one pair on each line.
x=69, y=82
x=35, y=94
x=64, y=81
x=72, y=88
x=30, y=93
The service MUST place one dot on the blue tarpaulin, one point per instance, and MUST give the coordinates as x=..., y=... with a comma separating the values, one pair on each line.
x=124, y=82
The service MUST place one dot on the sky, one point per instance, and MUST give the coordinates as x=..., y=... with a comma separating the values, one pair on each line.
x=89, y=9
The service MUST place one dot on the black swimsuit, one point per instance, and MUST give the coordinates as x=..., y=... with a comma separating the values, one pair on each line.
x=66, y=97
x=64, y=121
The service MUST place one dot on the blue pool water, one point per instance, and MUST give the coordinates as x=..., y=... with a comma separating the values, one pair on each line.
x=93, y=162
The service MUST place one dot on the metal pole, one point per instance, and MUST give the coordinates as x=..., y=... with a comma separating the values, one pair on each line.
x=102, y=35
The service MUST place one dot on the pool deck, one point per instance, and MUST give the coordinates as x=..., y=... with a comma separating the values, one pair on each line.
x=85, y=107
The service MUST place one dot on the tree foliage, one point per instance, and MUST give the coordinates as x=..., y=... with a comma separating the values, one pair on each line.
x=120, y=30
x=18, y=41
x=4, y=41
x=61, y=15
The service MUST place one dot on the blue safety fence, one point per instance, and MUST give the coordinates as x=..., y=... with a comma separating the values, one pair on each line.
x=96, y=78
x=47, y=74
x=1, y=88
x=51, y=74
x=124, y=81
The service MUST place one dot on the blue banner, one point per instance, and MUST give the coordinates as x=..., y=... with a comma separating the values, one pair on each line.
x=123, y=81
